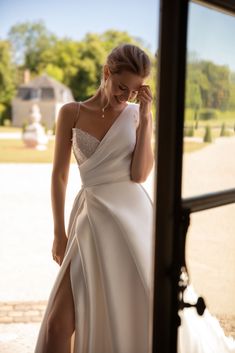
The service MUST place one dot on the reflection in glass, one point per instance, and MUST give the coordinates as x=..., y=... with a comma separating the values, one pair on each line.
x=210, y=253
x=209, y=136
x=209, y=166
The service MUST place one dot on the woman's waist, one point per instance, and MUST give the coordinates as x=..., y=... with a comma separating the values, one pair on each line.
x=106, y=179
x=101, y=175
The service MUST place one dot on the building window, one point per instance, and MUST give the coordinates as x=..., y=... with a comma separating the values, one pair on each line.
x=27, y=93
x=24, y=93
x=47, y=93
x=34, y=93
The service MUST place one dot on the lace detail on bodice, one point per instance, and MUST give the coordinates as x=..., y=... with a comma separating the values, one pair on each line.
x=84, y=144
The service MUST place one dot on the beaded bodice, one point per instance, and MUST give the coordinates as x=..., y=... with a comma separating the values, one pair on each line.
x=84, y=144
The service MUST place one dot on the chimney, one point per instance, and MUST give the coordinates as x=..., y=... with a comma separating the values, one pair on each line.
x=26, y=76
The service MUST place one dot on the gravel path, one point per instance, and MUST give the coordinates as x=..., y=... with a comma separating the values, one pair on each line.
x=211, y=236
x=18, y=338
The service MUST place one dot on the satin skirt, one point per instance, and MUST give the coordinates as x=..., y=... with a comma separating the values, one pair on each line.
x=110, y=251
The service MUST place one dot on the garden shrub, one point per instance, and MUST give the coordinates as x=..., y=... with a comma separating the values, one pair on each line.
x=7, y=122
x=207, y=135
x=208, y=114
x=44, y=124
x=54, y=127
x=224, y=131
x=24, y=124
x=189, y=131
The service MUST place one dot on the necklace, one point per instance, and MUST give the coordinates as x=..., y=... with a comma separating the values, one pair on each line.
x=104, y=109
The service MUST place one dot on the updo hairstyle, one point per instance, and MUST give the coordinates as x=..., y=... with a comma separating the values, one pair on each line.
x=128, y=57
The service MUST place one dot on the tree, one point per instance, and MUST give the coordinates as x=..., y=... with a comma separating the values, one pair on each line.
x=231, y=103
x=76, y=64
x=207, y=135
x=29, y=41
x=218, y=77
x=61, y=61
x=7, y=78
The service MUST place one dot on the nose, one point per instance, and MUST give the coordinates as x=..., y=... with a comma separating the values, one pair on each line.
x=125, y=96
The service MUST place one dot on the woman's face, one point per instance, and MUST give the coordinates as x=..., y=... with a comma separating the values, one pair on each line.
x=123, y=87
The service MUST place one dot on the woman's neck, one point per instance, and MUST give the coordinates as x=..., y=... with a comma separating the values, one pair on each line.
x=99, y=101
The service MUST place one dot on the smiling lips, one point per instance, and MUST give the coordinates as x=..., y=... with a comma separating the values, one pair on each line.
x=118, y=100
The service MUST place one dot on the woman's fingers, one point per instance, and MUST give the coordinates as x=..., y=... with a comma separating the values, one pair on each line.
x=145, y=93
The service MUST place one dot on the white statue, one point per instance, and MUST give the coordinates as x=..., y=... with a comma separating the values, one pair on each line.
x=34, y=135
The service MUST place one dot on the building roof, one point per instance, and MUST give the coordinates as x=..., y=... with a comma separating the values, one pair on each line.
x=47, y=82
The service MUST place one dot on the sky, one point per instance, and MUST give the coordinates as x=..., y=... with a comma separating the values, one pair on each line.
x=210, y=33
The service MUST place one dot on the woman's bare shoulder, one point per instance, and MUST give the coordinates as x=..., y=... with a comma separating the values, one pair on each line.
x=68, y=112
x=69, y=107
x=89, y=105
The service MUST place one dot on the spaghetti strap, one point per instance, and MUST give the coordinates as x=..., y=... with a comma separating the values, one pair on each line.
x=78, y=109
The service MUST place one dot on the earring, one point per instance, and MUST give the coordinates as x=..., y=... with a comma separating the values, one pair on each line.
x=104, y=86
x=103, y=83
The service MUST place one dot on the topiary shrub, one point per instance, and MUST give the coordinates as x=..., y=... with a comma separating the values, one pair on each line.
x=207, y=136
x=6, y=122
x=24, y=124
x=208, y=114
x=189, y=131
x=224, y=131
x=44, y=124
x=53, y=128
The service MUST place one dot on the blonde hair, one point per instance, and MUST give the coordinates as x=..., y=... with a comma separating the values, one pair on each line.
x=128, y=57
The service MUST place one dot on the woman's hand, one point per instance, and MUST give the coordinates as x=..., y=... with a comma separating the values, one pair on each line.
x=58, y=248
x=143, y=156
x=145, y=98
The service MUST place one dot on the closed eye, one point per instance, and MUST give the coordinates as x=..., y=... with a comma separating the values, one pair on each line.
x=123, y=89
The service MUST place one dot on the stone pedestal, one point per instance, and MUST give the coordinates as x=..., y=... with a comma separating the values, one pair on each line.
x=34, y=135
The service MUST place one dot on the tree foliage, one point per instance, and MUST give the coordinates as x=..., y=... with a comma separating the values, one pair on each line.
x=7, y=78
x=78, y=64
x=29, y=40
x=207, y=85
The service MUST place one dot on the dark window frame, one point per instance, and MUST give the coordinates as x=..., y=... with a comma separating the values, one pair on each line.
x=171, y=211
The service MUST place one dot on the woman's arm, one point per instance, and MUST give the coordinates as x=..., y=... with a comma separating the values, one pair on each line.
x=61, y=163
x=143, y=156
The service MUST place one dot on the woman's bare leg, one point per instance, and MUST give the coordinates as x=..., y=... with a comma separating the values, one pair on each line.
x=61, y=320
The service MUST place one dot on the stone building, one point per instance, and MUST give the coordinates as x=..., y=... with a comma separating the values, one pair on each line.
x=46, y=92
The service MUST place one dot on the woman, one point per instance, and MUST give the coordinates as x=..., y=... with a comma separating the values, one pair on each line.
x=100, y=299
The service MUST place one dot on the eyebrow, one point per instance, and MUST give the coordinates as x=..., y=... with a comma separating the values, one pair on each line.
x=127, y=87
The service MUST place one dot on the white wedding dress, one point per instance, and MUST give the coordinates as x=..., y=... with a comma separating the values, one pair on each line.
x=109, y=245
x=110, y=248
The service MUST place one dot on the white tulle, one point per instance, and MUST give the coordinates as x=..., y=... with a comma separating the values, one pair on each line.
x=201, y=334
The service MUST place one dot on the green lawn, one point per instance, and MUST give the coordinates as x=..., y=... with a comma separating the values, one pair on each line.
x=228, y=117
x=10, y=129
x=215, y=132
x=193, y=146
x=14, y=151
